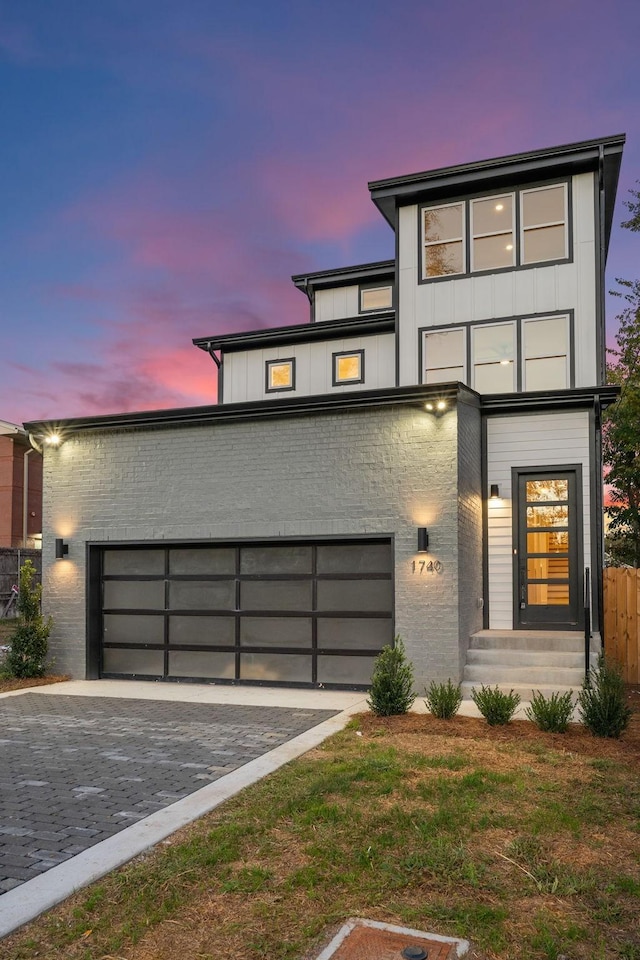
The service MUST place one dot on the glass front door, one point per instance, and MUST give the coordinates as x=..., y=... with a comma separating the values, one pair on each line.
x=546, y=552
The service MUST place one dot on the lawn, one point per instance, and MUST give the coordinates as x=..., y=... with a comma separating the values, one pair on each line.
x=526, y=843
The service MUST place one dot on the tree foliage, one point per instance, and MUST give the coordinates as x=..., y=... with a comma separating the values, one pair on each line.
x=621, y=438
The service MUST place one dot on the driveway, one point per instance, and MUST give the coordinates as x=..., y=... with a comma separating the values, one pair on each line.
x=75, y=770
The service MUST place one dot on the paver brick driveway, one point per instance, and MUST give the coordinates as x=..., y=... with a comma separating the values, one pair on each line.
x=76, y=770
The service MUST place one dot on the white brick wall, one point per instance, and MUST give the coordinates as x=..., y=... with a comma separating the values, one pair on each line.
x=374, y=471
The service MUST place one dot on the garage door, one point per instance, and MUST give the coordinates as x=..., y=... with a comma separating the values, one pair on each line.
x=274, y=612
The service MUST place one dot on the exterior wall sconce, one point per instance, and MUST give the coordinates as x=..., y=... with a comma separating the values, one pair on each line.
x=494, y=492
x=62, y=548
x=423, y=540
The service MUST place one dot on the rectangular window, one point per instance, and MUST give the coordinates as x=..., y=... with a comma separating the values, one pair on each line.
x=376, y=298
x=493, y=350
x=280, y=375
x=443, y=240
x=492, y=228
x=348, y=367
x=544, y=224
x=444, y=356
x=545, y=354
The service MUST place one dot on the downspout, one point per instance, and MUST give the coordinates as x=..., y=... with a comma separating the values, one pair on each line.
x=218, y=362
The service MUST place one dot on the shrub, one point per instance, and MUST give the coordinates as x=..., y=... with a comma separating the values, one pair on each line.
x=551, y=714
x=443, y=699
x=30, y=639
x=496, y=707
x=602, y=701
x=392, y=682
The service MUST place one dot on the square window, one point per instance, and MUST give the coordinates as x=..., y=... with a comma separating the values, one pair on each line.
x=280, y=375
x=348, y=367
x=376, y=298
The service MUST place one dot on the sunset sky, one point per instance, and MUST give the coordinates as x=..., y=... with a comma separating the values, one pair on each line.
x=166, y=166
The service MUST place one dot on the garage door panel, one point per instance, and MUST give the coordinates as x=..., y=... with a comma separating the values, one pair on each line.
x=351, y=671
x=364, y=595
x=276, y=631
x=210, y=561
x=276, y=667
x=123, y=660
x=354, y=558
x=210, y=665
x=276, y=595
x=141, y=562
x=354, y=633
x=133, y=628
x=205, y=631
x=269, y=560
x=134, y=594
x=202, y=595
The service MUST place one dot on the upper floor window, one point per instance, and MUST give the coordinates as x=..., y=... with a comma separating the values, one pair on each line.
x=544, y=224
x=280, y=375
x=348, y=367
x=445, y=356
x=443, y=240
x=376, y=298
x=545, y=354
x=514, y=229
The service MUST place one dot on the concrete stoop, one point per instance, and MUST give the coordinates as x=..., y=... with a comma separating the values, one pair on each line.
x=526, y=661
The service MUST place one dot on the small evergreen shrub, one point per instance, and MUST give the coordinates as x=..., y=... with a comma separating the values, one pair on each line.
x=602, y=701
x=443, y=699
x=30, y=639
x=551, y=714
x=392, y=682
x=496, y=707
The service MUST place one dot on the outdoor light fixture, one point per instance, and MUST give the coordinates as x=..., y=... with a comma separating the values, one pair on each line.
x=495, y=492
x=62, y=548
x=441, y=405
x=423, y=540
x=428, y=406
x=53, y=439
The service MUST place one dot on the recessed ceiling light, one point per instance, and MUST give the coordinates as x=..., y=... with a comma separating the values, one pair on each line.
x=499, y=206
x=505, y=363
x=509, y=246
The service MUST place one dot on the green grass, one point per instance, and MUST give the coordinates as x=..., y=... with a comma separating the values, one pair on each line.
x=478, y=842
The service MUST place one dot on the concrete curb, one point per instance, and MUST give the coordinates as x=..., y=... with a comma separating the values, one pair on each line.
x=30, y=899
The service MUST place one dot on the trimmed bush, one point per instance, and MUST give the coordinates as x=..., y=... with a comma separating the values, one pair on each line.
x=443, y=699
x=392, y=682
x=551, y=714
x=602, y=701
x=30, y=639
x=496, y=707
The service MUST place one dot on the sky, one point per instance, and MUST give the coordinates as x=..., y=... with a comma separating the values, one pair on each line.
x=165, y=166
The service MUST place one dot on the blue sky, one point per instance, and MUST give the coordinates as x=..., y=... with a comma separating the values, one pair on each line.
x=166, y=167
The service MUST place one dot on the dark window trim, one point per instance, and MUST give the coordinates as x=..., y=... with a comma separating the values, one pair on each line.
x=516, y=192
x=518, y=319
x=374, y=286
x=271, y=363
x=334, y=367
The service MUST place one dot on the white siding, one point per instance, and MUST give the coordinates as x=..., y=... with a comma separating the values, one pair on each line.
x=244, y=373
x=533, y=440
x=337, y=303
x=542, y=289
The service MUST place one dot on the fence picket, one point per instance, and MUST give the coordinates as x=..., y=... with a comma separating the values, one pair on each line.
x=622, y=619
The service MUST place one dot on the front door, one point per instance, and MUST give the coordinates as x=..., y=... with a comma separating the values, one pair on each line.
x=547, y=549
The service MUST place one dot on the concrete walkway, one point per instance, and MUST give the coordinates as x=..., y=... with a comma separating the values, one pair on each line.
x=94, y=773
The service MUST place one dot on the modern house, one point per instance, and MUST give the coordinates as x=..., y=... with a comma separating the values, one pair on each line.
x=421, y=458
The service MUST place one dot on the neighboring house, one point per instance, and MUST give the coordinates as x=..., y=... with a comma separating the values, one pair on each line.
x=422, y=458
x=20, y=469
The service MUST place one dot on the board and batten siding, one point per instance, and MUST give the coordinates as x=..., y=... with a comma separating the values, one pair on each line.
x=533, y=440
x=244, y=372
x=337, y=303
x=510, y=293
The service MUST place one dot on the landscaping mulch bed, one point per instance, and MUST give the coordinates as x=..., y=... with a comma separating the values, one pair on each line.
x=6, y=685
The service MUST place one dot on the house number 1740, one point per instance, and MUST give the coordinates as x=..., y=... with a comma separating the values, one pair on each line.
x=426, y=566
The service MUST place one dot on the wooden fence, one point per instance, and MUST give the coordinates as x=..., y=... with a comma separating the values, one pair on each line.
x=11, y=559
x=622, y=619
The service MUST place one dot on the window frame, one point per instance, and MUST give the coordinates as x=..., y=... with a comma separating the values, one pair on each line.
x=268, y=364
x=569, y=357
x=364, y=287
x=519, y=359
x=550, y=223
x=424, y=352
x=514, y=360
x=434, y=243
x=473, y=236
x=334, y=367
x=467, y=239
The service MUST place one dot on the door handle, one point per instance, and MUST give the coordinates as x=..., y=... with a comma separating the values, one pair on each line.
x=523, y=587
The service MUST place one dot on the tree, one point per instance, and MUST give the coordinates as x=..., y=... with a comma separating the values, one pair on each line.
x=621, y=436
x=30, y=640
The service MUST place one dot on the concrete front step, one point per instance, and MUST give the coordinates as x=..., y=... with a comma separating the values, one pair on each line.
x=559, y=640
x=524, y=690
x=526, y=658
x=498, y=673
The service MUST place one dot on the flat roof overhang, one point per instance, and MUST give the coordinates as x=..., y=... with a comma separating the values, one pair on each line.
x=345, y=276
x=502, y=172
x=369, y=323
